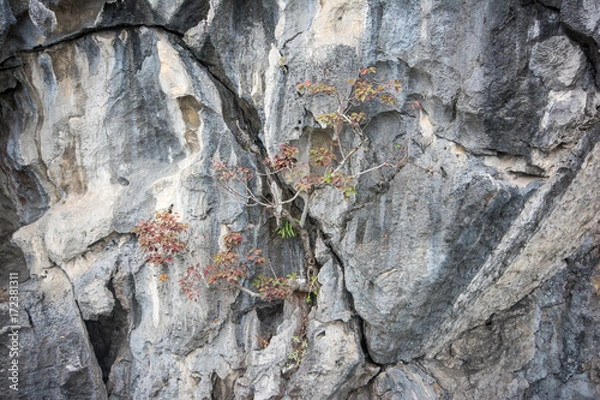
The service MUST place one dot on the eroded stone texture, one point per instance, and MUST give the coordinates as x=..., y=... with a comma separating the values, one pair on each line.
x=55, y=357
x=470, y=272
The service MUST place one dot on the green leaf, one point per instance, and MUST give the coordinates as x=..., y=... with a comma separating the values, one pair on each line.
x=286, y=231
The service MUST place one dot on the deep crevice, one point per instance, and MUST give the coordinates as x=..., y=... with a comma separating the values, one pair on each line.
x=244, y=122
x=270, y=317
x=590, y=50
x=548, y=6
x=360, y=322
x=107, y=334
x=81, y=34
x=222, y=389
x=241, y=117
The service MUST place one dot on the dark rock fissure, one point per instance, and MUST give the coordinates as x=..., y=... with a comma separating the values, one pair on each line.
x=106, y=336
x=241, y=117
x=360, y=322
x=548, y=5
x=244, y=122
x=270, y=318
x=589, y=47
x=81, y=35
x=12, y=256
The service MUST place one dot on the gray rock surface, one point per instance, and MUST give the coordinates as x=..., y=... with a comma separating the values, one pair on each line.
x=471, y=272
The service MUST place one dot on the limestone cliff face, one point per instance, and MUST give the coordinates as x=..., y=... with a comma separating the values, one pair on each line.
x=473, y=272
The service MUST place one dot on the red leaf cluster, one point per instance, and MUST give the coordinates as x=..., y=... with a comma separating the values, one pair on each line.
x=228, y=269
x=285, y=159
x=321, y=157
x=227, y=175
x=160, y=238
x=272, y=288
x=193, y=282
x=227, y=266
x=316, y=88
x=224, y=272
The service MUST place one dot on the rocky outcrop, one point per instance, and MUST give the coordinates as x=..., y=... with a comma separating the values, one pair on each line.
x=471, y=272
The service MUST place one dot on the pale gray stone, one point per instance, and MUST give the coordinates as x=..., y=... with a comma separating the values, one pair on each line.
x=557, y=62
x=42, y=17
x=470, y=272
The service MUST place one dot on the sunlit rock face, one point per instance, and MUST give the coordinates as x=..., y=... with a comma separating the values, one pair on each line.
x=471, y=272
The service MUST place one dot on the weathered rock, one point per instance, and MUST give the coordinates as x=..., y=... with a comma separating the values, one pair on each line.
x=467, y=273
x=55, y=357
x=557, y=55
x=334, y=365
x=405, y=381
x=6, y=20
x=42, y=17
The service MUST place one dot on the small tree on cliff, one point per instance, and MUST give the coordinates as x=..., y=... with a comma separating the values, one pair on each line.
x=289, y=185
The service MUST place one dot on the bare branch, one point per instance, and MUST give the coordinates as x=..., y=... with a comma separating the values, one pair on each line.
x=304, y=211
x=247, y=198
x=246, y=290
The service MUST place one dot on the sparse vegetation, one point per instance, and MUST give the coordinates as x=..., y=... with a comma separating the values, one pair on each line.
x=300, y=346
x=289, y=186
x=334, y=165
x=161, y=238
x=230, y=268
